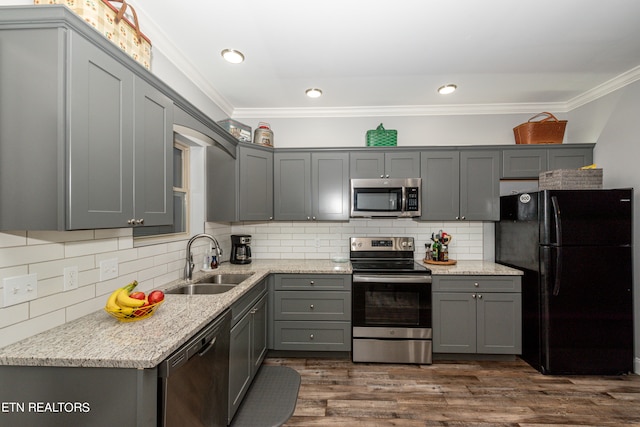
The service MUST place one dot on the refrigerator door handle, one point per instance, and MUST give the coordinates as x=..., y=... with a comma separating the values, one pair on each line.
x=558, y=273
x=558, y=220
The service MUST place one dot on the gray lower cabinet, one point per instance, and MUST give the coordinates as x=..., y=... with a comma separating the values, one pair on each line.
x=477, y=314
x=311, y=185
x=248, y=346
x=376, y=164
x=81, y=134
x=240, y=189
x=460, y=185
x=527, y=162
x=311, y=312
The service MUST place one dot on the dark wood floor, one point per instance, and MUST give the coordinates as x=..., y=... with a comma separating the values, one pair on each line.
x=337, y=392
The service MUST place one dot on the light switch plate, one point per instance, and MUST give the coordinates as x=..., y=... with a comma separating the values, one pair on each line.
x=71, y=278
x=108, y=269
x=20, y=289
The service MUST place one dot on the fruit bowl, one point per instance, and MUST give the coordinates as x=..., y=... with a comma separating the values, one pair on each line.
x=126, y=315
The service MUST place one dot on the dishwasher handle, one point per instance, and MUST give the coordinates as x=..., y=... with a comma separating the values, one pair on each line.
x=198, y=345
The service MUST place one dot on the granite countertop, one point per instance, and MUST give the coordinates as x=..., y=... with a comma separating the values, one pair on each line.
x=99, y=340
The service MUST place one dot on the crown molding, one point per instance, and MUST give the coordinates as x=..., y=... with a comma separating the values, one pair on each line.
x=605, y=88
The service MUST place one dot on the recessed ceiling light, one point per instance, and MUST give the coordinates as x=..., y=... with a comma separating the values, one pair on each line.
x=447, y=89
x=233, y=56
x=313, y=93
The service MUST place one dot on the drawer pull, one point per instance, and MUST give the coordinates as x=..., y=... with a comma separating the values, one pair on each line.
x=312, y=283
x=476, y=284
x=311, y=307
x=311, y=336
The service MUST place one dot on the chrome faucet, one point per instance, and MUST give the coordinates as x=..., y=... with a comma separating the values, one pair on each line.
x=188, y=269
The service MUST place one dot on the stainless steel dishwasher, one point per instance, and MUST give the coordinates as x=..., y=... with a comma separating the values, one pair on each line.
x=194, y=380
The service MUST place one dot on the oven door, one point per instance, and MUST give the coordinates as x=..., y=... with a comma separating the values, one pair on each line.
x=391, y=301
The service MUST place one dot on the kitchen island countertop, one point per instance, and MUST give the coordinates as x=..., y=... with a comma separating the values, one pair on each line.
x=98, y=340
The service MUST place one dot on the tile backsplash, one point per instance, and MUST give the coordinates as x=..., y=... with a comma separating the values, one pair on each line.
x=47, y=253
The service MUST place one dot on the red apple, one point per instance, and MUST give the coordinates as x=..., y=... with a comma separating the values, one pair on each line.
x=155, y=297
x=137, y=295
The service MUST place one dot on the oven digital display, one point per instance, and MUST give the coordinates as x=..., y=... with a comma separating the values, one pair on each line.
x=382, y=243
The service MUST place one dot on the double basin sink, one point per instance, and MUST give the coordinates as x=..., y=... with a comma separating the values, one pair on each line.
x=216, y=284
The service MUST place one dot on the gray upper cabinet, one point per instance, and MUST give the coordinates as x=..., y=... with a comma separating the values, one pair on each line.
x=73, y=119
x=240, y=189
x=311, y=185
x=529, y=161
x=376, y=164
x=460, y=185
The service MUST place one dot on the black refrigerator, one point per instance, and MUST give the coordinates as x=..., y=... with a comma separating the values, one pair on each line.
x=575, y=249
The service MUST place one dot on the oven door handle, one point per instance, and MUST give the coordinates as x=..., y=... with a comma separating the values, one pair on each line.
x=392, y=278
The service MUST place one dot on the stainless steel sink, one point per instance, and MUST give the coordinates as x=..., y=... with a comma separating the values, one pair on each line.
x=202, y=289
x=216, y=284
x=227, y=279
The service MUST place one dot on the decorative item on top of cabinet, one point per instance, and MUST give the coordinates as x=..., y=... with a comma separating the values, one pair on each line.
x=263, y=135
x=381, y=137
x=548, y=130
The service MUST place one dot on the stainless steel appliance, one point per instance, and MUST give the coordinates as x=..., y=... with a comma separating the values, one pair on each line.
x=194, y=380
x=240, y=249
x=398, y=198
x=391, y=302
x=574, y=248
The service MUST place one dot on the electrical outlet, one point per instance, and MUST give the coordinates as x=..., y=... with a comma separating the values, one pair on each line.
x=20, y=289
x=108, y=269
x=71, y=278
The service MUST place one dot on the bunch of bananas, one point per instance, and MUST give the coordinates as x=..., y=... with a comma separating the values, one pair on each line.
x=120, y=301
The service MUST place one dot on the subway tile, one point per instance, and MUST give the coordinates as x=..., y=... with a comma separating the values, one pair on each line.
x=30, y=254
x=10, y=239
x=109, y=233
x=18, y=270
x=19, y=331
x=72, y=249
x=83, y=308
x=135, y=266
x=44, y=237
x=13, y=314
x=149, y=251
x=122, y=256
x=50, y=269
x=60, y=300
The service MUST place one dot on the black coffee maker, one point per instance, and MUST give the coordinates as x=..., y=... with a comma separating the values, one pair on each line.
x=240, y=249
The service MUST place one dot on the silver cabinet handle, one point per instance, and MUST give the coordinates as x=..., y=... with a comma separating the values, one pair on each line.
x=480, y=296
x=476, y=284
x=312, y=283
x=473, y=296
x=140, y=221
x=463, y=217
x=457, y=217
x=381, y=176
x=311, y=307
x=311, y=336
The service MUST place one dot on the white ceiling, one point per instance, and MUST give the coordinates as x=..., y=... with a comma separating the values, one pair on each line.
x=392, y=55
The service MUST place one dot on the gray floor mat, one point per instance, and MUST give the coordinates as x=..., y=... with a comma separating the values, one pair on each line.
x=271, y=399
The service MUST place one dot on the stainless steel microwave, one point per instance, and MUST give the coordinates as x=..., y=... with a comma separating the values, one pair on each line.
x=396, y=198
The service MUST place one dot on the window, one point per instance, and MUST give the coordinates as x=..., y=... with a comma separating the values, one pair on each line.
x=180, y=226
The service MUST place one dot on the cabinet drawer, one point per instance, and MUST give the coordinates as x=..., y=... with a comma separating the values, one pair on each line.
x=240, y=307
x=320, y=305
x=476, y=283
x=312, y=336
x=289, y=282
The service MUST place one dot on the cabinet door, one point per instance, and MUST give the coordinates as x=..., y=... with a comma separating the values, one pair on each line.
x=480, y=185
x=454, y=322
x=330, y=186
x=256, y=184
x=569, y=158
x=523, y=163
x=240, y=363
x=259, y=333
x=153, y=155
x=366, y=165
x=402, y=165
x=100, y=146
x=292, y=186
x=440, y=172
x=499, y=323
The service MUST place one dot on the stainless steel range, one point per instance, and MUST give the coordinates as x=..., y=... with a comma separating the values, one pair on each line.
x=391, y=308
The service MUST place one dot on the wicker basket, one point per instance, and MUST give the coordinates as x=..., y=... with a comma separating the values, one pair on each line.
x=571, y=179
x=549, y=130
x=112, y=23
x=138, y=313
x=381, y=137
